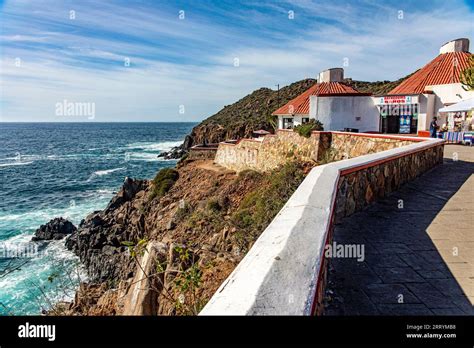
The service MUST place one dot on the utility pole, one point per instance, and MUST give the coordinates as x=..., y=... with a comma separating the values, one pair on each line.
x=278, y=95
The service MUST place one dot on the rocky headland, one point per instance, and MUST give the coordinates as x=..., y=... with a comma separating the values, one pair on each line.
x=164, y=246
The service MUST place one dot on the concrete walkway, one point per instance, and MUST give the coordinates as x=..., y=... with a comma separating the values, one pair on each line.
x=419, y=248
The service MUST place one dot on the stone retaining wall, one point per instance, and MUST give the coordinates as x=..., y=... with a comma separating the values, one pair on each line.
x=349, y=145
x=358, y=189
x=269, y=153
x=202, y=153
x=321, y=147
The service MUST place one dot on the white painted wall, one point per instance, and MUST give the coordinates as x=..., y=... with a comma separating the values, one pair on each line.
x=450, y=93
x=297, y=120
x=423, y=122
x=430, y=111
x=457, y=45
x=331, y=75
x=280, y=122
x=337, y=113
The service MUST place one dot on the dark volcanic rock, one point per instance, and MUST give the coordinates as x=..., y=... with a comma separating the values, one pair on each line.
x=57, y=228
x=178, y=151
x=129, y=190
x=174, y=153
x=98, y=238
x=188, y=142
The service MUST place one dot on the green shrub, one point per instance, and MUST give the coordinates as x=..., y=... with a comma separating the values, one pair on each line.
x=213, y=205
x=163, y=182
x=247, y=174
x=259, y=207
x=201, y=220
x=305, y=129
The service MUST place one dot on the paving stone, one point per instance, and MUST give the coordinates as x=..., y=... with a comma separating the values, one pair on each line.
x=351, y=266
x=409, y=250
x=417, y=262
x=356, y=302
x=448, y=287
x=434, y=274
x=397, y=275
x=358, y=280
x=390, y=293
x=430, y=296
x=384, y=260
x=465, y=304
x=386, y=248
x=421, y=246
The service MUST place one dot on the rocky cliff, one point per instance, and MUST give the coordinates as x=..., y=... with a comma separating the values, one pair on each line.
x=166, y=251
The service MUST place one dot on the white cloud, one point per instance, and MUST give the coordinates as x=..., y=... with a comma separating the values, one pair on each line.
x=200, y=73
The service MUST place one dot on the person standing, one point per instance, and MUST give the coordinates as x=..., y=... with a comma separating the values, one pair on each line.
x=433, y=127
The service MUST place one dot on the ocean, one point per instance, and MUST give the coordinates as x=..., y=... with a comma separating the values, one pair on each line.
x=49, y=170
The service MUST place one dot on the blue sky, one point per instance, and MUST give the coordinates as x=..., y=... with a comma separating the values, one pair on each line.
x=185, y=69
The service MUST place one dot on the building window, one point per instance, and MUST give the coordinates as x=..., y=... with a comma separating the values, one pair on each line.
x=305, y=120
x=287, y=123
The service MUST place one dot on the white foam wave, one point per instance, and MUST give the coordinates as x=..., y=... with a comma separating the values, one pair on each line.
x=103, y=172
x=20, y=157
x=27, y=159
x=147, y=146
x=59, y=157
x=105, y=192
x=107, y=171
x=142, y=156
x=31, y=220
x=15, y=164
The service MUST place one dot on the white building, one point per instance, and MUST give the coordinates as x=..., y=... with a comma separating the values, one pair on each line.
x=411, y=106
x=335, y=104
x=408, y=108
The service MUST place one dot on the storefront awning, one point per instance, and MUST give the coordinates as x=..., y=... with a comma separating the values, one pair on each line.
x=464, y=105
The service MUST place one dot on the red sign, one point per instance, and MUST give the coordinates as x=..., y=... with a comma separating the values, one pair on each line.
x=395, y=99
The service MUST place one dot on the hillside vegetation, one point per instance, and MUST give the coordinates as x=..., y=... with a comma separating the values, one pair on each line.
x=253, y=111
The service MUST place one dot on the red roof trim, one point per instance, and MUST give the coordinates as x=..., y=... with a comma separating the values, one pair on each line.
x=300, y=104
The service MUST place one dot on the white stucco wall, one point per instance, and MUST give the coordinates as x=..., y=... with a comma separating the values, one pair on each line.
x=337, y=113
x=297, y=120
x=450, y=93
x=430, y=111
x=422, y=110
x=280, y=122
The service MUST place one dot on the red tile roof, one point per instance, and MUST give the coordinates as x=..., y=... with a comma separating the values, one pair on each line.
x=444, y=69
x=300, y=104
